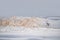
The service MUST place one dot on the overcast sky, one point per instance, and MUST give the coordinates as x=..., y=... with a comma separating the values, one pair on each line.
x=29, y=8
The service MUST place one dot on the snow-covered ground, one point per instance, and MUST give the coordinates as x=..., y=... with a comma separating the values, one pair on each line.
x=43, y=27
x=29, y=34
x=50, y=30
x=29, y=31
x=54, y=21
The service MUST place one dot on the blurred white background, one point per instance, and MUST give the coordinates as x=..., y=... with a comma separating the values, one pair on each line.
x=29, y=8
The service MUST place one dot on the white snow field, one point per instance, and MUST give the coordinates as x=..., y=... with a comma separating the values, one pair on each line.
x=46, y=29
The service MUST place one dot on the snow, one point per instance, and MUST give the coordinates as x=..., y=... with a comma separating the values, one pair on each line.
x=30, y=31
x=40, y=30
